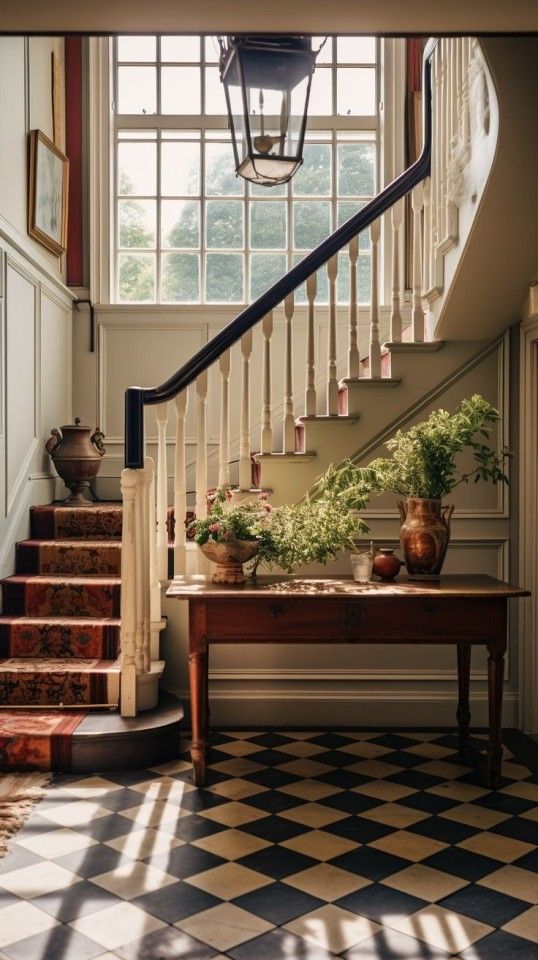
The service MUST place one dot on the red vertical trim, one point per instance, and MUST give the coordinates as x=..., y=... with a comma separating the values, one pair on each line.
x=73, y=142
x=414, y=63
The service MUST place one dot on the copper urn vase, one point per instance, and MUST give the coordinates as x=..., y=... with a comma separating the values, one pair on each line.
x=77, y=458
x=424, y=536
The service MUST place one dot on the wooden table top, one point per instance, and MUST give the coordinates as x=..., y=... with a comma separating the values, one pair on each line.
x=328, y=587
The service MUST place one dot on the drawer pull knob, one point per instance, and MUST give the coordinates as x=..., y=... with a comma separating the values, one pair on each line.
x=353, y=616
x=275, y=610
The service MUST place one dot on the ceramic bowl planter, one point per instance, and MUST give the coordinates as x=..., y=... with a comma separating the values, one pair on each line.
x=424, y=536
x=229, y=558
x=77, y=457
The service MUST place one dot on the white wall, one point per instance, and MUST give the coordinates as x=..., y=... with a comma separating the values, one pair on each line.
x=35, y=306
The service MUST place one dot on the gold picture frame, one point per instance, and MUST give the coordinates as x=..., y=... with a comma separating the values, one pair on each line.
x=48, y=182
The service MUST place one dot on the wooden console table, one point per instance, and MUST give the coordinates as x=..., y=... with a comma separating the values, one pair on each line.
x=462, y=610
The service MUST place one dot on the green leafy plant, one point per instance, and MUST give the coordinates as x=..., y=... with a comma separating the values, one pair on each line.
x=226, y=522
x=423, y=462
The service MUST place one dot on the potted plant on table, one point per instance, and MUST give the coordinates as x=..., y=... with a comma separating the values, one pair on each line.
x=422, y=471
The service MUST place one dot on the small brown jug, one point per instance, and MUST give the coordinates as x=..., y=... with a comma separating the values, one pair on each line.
x=77, y=458
x=386, y=565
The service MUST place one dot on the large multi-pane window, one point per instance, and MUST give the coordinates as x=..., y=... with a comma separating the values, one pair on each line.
x=188, y=230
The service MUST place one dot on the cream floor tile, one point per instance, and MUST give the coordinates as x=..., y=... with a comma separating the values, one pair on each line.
x=505, y=849
x=327, y=882
x=116, y=925
x=112, y=956
x=425, y=882
x=526, y=925
x=313, y=815
x=172, y=766
x=242, y=734
x=320, y=845
x=236, y=789
x=515, y=771
x=332, y=928
x=229, y=881
x=463, y=792
x=442, y=928
x=359, y=734
x=224, y=926
x=163, y=788
x=154, y=812
x=133, y=880
x=238, y=767
x=231, y=844
x=514, y=882
x=233, y=814
x=384, y=790
x=376, y=769
x=433, y=751
x=73, y=814
x=302, y=748
x=140, y=844
x=528, y=791
x=55, y=843
x=437, y=768
x=475, y=816
x=310, y=789
x=41, y=878
x=530, y=814
x=304, y=767
x=89, y=788
x=300, y=734
x=424, y=737
x=21, y=920
x=409, y=845
x=395, y=815
x=365, y=749
x=240, y=748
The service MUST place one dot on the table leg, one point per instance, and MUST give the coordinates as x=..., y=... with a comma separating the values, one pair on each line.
x=198, y=683
x=496, y=651
x=463, y=712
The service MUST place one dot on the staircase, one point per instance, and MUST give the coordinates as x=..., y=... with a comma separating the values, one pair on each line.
x=60, y=644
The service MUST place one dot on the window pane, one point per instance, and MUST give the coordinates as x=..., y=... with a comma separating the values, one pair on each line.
x=180, y=223
x=265, y=269
x=224, y=223
x=211, y=49
x=220, y=175
x=137, y=167
x=356, y=169
x=268, y=225
x=224, y=278
x=136, y=223
x=180, y=281
x=356, y=49
x=279, y=190
x=321, y=92
x=136, y=49
x=181, y=49
x=325, y=54
x=311, y=223
x=180, y=169
x=137, y=89
x=322, y=289
x=136, y=277
x=347, y=209
x=356, y=91
x=180, y=90
x=314, y=177
x=215, y=101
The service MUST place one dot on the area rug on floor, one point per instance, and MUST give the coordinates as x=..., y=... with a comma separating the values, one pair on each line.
x=19, y=793
x=37, y=739
x=305, y=845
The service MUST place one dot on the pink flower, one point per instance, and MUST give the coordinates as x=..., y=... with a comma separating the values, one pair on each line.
x=263, y=496
x=228, y=536
x=214, y=527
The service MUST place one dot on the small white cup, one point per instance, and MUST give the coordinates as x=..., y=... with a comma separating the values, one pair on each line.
x=361, y=566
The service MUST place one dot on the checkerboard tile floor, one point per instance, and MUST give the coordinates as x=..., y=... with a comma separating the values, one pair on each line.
x=304, y=845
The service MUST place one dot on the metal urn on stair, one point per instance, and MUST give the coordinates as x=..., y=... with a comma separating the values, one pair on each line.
x=77, y=457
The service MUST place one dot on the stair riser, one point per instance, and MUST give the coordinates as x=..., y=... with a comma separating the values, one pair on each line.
x=76, y=559
x=54, y=689
x=95, y=641
x=62, y=599
x=76, y=523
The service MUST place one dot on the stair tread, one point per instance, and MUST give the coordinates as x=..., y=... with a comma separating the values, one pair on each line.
x=58, y=665
x=73, y=544
x=75, y=621
x=107, y=579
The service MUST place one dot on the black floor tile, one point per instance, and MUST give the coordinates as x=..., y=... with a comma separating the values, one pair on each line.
x=277, y=862
x=279, y=945
x=391, y=945
x=274, y=829
x=185, y=861
x=345, y=779
x=271, y=777
x=94, y=860
x=501, y=946
x=415, y=779
x=438, y=828
x=504, y=803
x=519, y=828
x=274, y=801
x=175, y=902
x=427, y=802
x=485, y=905
x=381, y=903
x=76, y=901
x=462, y=863
x=359, y=830
x=278, y=903
x=166, y=944
x=370, y=863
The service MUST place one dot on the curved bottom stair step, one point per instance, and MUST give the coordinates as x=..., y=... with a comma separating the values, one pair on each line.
x=59, y=682
x=22, y=636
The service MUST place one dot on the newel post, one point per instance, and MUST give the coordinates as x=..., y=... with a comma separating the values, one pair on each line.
x=131, y=481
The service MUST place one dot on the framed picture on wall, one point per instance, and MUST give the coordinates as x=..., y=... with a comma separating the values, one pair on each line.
x=47, y=193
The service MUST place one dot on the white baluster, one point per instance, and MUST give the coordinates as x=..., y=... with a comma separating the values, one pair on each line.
x=443, y=144
x=332, y=379
x=417, y=315
x=140, y=571
x=201, y=459
x=267, y=429
x=375, y=346
x=162, y=493
x=245, y=467
x=353, y=359
x=148, y=529
x=289, y=417
x=155, y=586
x=130, y=485
x=310, y=394
x=180, y=486
x=427, y=237
x=224, y=440
x=395, y=314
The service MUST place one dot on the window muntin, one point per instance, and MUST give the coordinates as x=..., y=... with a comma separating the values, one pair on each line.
x=187, y=229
